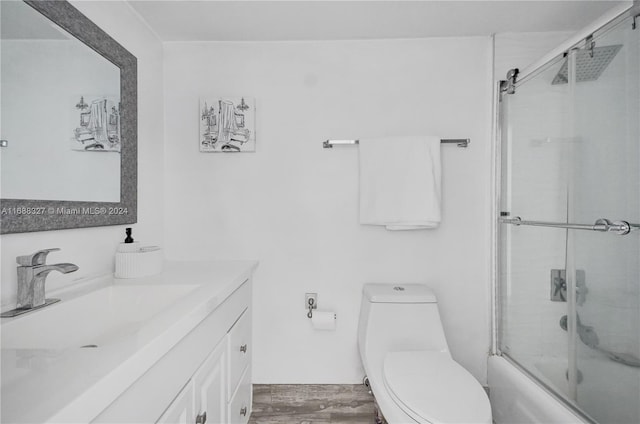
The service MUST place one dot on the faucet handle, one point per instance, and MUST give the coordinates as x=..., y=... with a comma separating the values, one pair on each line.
x=38, y=258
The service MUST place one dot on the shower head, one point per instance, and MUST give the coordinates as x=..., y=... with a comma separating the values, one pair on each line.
x=589, y=64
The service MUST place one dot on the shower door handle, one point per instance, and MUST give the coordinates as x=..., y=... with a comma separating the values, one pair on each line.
x=601, y=225
x=619, y=227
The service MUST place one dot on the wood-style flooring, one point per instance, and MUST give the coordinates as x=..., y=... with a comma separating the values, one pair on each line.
x=312, y=404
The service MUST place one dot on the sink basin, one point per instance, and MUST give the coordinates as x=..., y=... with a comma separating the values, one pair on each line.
x=91, y=320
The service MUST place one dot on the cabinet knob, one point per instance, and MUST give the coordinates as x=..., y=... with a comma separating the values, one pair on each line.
x=243, y=411
x=243, y=348
x=201, y=418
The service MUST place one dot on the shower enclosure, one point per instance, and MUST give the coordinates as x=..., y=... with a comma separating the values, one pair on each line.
x=568, y=293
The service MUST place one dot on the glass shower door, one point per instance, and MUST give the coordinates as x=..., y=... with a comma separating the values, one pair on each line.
x=605, y=183
x=536, y=144
x=568, y=297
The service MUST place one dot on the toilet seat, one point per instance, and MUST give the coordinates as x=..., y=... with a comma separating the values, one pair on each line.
x=432, y=388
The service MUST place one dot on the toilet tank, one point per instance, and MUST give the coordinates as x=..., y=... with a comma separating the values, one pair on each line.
x=398, y=317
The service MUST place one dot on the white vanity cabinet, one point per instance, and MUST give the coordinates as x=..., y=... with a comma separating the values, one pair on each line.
x=204, y=398
x=163, y=348
x=206, y=377
x=220, y=390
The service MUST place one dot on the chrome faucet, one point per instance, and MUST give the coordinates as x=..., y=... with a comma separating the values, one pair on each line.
x=32, y=273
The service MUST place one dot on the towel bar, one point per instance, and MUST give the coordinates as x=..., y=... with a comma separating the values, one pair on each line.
x=603, y=225
x=461, y=142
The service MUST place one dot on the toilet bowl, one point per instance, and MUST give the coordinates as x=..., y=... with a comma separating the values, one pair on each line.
x=406, y=357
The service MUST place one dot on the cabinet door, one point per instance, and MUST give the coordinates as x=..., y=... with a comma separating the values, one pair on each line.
x=180, y=411
x=210, y=382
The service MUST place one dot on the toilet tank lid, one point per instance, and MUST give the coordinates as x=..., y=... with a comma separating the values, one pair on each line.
x=398, y=293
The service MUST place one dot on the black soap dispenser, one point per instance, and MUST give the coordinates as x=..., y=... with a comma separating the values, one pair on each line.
x=128, y=239
x=129, y=245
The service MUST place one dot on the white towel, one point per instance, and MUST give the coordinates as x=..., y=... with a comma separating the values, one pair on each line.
x=400, y=182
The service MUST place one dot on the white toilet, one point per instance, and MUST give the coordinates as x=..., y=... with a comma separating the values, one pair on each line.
x=405, y=355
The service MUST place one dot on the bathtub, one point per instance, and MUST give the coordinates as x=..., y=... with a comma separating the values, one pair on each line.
x=517, y=399
x=607, y=390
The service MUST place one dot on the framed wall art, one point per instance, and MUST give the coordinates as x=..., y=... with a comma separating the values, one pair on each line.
x=227, y=124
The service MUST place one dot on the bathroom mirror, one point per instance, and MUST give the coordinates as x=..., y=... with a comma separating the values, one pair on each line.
x=69, y=121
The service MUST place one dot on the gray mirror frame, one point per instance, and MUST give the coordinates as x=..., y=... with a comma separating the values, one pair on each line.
x=21, y=216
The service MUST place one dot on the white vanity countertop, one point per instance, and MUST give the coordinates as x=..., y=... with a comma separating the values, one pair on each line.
x=69, y=385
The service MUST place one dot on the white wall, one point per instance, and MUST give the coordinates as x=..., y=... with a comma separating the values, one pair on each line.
x=519, y=50
x=293, y=205
x=93, y=249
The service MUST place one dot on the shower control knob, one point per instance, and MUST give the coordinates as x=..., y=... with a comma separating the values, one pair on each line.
x=561, y=287
x=201, y=418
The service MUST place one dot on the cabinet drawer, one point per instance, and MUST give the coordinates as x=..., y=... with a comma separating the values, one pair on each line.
x=239, y=349
x=240, y=404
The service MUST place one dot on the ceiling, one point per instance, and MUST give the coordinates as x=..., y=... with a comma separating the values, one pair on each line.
x=215, y=20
